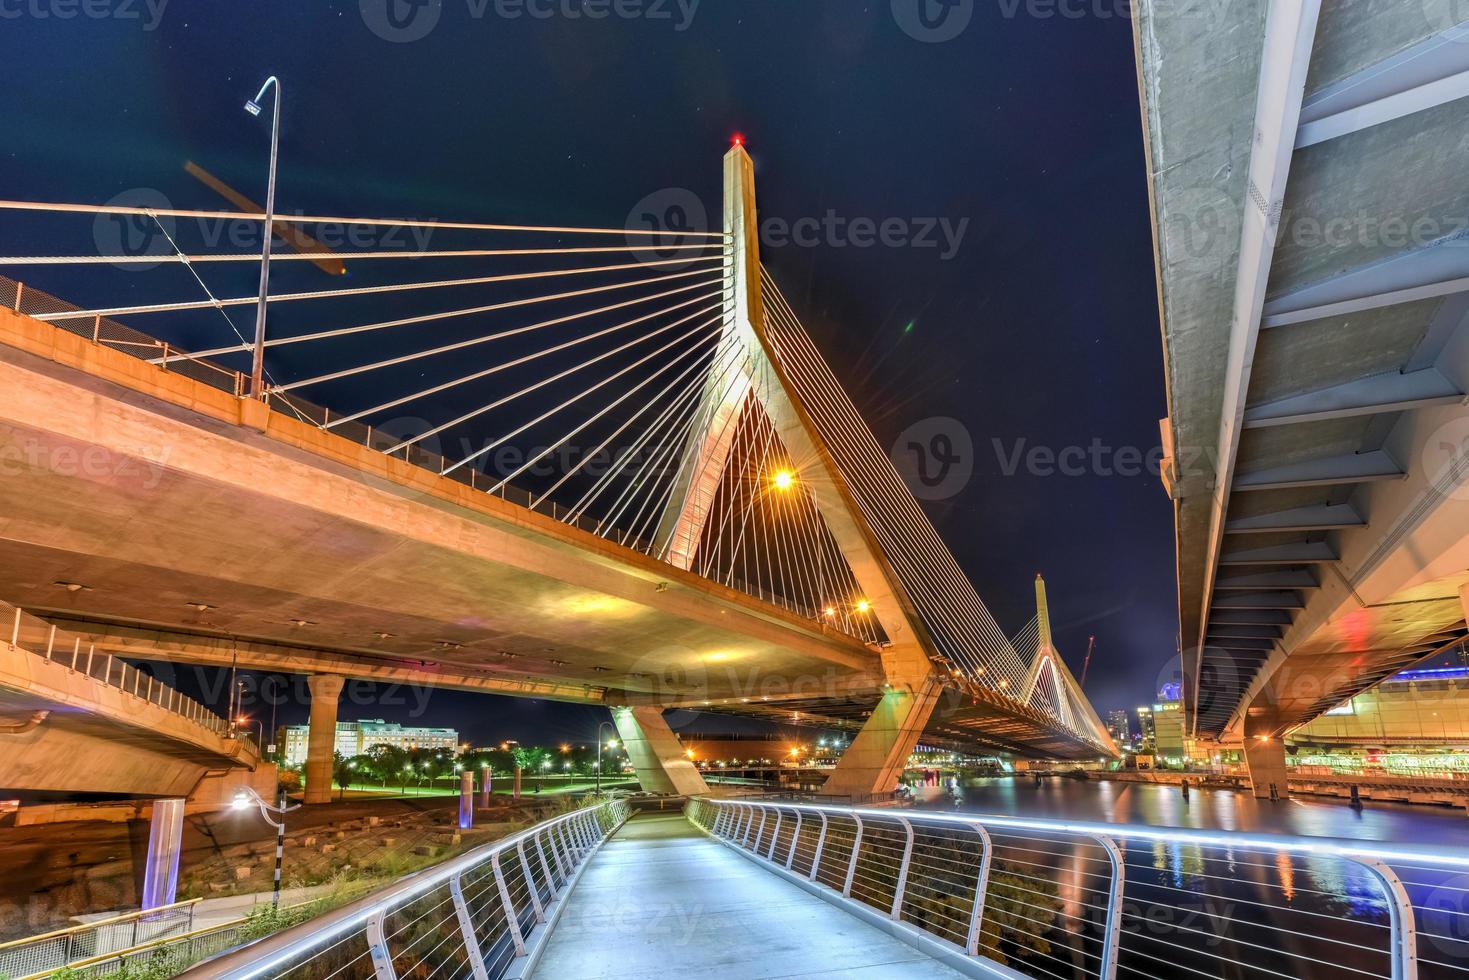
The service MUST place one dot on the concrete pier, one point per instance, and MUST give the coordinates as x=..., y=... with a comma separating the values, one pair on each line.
x=660, y=899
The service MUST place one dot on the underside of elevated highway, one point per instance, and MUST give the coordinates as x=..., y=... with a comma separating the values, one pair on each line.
x=1309, y=180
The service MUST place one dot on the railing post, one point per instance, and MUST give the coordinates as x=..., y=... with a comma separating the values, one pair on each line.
x=377, y=944
x=511, y=920
x=852, y=865
x=764, y=815
x=545, y=866
x=820, y=843
x=897, y=911
x=749, y=824
x=15, y=630
x=51, y=641
x=1112, y=937
x=466, y=928
x=556, y=854
x=775, y=834
x=795, y=839
x=1400, y=918
x=530, y=881
x=981, y=887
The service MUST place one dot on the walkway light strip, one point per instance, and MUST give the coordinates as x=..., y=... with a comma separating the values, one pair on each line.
x=302, y=219
x=268, y=957
x=1315, y=846
x=398, y=287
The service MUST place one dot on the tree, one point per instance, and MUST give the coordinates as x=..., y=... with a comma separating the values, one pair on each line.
x=342, y=771
x=525, y=758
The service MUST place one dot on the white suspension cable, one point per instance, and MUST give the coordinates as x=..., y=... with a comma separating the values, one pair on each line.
x=464, y=311
x=457, y=253
x=370, y=290
x=303, y=219
x=575, y=398
x=535, y=387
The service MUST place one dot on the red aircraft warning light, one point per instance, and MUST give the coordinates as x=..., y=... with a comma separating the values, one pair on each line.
x=738, y=139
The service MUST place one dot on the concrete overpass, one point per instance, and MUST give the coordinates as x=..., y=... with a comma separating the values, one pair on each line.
x=161, y=517
x=1309, y=181
x=76, y=720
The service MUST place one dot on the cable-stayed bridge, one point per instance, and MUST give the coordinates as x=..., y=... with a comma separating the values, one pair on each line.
x=577, y=463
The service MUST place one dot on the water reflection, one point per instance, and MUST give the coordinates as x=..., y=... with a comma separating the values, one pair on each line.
x=1205, y=910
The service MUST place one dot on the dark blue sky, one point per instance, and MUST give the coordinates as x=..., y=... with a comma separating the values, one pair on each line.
x=1039, y=332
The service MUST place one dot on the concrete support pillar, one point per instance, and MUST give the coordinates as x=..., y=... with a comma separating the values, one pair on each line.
x=656, y=753
x=484, y=786
x=165, y=841
x=466, y=800
x=874, y=762
x=321, y=740
x=1265, y=759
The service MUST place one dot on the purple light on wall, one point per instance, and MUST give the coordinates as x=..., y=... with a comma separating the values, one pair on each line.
x=466, y=800
x=165, y=837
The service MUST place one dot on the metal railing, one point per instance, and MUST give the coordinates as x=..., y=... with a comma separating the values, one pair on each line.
x=473, y=916
x=39, y=638
x=54, y=950
x=1063, y=899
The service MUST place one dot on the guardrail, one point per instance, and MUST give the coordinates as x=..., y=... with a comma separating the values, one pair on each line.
x=53, y=950
x=474, y=916
x=1063, y=899
x=42, y=639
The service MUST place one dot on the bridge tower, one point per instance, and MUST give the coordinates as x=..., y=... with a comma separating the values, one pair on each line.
x=910, y=684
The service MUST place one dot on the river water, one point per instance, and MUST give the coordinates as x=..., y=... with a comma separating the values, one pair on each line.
x=1191, y=911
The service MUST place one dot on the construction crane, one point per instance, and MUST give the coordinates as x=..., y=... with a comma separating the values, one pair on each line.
x=1086, y=664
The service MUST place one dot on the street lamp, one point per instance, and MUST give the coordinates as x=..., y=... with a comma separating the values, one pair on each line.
x=257, y=365
x=244, y=797
x=611, y=744
x=259, y=728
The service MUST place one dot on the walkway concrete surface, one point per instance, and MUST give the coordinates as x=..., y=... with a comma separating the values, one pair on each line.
x=660, y=899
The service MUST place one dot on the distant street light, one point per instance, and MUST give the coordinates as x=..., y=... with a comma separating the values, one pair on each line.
x=244, y=797
x=257, y=365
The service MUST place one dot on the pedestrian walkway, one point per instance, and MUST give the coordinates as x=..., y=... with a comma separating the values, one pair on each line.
x=661, y=899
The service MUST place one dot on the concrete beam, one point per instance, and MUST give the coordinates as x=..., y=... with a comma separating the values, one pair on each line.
x=1284, y=578
x=1244, y=631
x=1303, y=553
x=656, y=753
x=1379, y=394
x=1327, y=472
x=1290, y=36
x=1250, y=617
x=1320, y=517
x=1437, y=269
x=1428, y=74
x=1259, y=600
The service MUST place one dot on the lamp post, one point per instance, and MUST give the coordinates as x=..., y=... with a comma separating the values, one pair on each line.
x=257, y=365
x=611, y=744
x=244, y=796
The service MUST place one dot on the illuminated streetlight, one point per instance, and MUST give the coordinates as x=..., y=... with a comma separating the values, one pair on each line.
x=243, y=799
x=783, y=479
x=863, y=605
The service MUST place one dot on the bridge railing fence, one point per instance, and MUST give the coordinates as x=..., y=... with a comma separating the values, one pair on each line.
x=79, y=655
x=1052, y=898
x=473, y=916
x=54, y=950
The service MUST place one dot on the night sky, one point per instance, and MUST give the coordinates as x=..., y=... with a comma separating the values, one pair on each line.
x=1032, y=323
